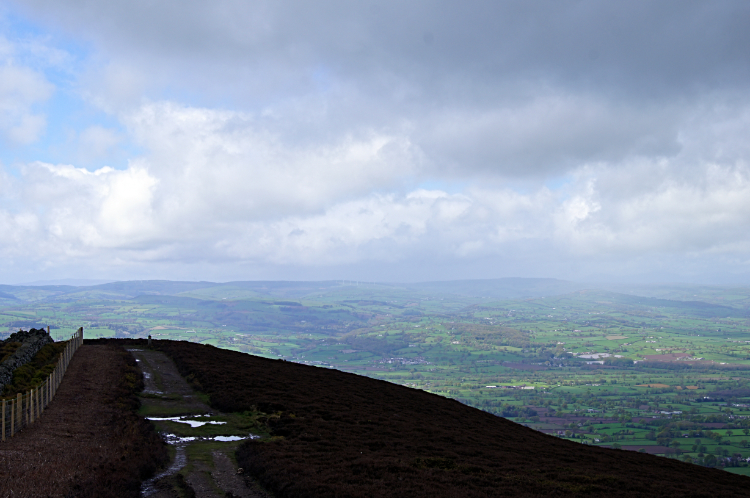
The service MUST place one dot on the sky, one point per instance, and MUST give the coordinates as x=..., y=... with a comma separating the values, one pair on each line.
x=385, y=141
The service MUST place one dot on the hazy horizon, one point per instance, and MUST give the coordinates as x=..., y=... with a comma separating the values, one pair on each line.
x=592, y=285
x=578, y=140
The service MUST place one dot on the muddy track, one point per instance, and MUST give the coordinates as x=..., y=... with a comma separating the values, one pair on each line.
x=201, y=464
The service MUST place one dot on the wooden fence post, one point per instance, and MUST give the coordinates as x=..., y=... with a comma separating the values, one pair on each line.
x=19, y=407
x=12, y=418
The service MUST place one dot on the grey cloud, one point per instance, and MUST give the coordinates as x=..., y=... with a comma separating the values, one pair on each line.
x=639, y=44
x=549, y=134
x=458, y=74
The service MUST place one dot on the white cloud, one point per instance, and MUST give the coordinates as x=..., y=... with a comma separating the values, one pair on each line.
x=219, y=165
x=710, y=212
x=90, y=212
x=125, y=218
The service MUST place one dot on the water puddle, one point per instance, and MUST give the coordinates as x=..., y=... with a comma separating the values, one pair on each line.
x=228, y=438
x=191, y=423
x=177, y=440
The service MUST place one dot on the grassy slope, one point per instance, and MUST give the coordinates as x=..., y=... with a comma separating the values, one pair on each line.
x=346, y=435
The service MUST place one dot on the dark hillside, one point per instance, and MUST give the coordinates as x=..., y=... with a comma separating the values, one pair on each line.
x=346, y=435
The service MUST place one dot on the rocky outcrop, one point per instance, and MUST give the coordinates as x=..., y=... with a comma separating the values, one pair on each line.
x=31, y=342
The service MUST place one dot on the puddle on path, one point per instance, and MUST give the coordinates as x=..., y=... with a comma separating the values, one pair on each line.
x=235, y=438
x=191, y=423
x=175, y=439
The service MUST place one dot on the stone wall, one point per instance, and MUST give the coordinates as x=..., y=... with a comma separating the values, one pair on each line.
x=31, y=342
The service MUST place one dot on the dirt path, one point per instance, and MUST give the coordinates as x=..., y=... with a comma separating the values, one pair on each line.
x=166, y=391
x=76, y=446
x=201, y=464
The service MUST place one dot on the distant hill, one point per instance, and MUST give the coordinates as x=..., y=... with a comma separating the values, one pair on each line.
x=504, y=288
x=703, y=301
x=76, y=282
x=501, y=288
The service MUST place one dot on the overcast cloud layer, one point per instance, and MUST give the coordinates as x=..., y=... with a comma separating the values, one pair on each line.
x=412, y=140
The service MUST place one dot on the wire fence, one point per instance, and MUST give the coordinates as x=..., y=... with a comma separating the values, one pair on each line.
x=24, y=409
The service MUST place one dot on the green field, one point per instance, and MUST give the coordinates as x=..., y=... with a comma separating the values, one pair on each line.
x=663, y=369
